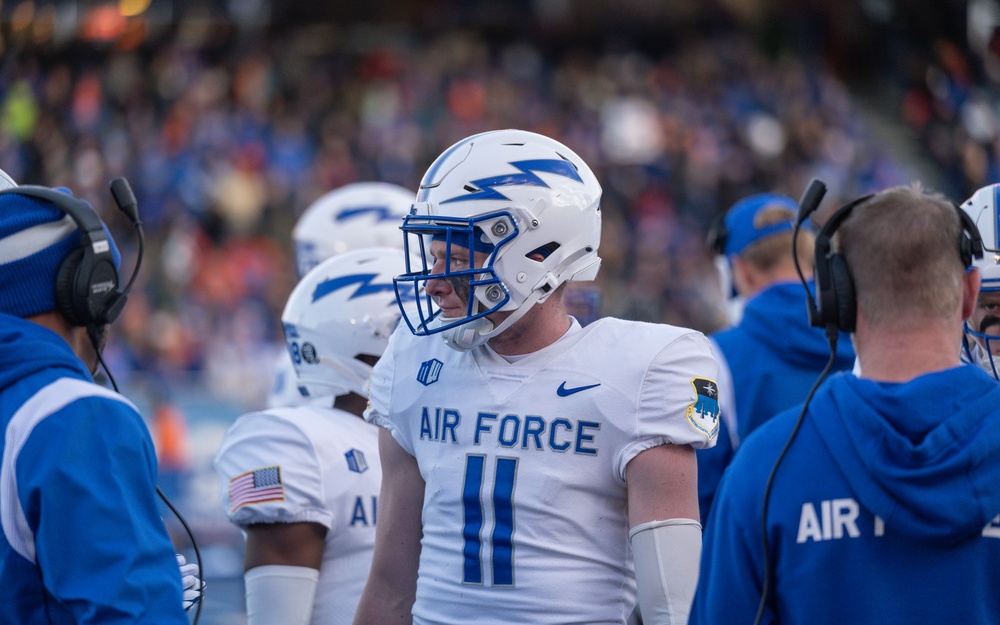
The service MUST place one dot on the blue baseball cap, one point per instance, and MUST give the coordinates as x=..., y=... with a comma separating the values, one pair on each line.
x=740, y=229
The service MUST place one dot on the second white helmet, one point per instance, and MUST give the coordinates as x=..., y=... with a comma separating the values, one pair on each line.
x=344, y=308
x=360, y=214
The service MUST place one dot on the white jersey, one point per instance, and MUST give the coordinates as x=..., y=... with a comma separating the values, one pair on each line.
x=309, y=464
x=525, y=512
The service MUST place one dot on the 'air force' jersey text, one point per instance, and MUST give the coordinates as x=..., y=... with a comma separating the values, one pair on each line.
x=524, y=462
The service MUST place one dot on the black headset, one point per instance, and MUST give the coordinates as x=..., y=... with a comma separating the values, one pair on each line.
x=718, y=232
x=88, y=287
x=835, y=304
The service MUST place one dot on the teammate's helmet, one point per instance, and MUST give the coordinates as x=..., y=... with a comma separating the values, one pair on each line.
x=361, y=214
x=6, y=182
x=982, y=209
x=343, y=308
x=514, y=195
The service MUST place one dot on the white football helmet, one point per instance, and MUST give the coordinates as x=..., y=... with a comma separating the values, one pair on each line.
x=982, y=210
x=6, y=182
x=343, y=308
x=361, y=214
x=511, y=194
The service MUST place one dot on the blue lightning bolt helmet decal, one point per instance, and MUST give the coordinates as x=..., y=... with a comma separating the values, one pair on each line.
x=363, y=280
x=381, y=213
x=526, y=177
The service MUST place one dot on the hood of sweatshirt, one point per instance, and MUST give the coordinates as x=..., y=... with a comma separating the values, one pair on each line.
x=777, y=317
x=27, y=348
x=923, y=455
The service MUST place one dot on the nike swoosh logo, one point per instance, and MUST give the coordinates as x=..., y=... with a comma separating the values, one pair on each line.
x=562, y=391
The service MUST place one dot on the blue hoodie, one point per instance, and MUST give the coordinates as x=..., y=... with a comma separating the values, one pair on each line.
x=886, y=508
x=82, y=538
x=774, y=357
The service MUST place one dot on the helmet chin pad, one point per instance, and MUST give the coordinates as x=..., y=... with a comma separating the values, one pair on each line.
x=469, y=335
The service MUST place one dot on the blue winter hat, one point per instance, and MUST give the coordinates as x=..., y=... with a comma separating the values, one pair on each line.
x=740, y=228
x=35, y=237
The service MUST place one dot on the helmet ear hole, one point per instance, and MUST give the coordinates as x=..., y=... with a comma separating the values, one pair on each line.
x=543, y=250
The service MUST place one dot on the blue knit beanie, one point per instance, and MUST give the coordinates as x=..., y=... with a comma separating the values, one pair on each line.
x=35, y=237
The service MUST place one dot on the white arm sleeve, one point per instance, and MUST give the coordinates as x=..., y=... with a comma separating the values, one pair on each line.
x=667, y=555
x=280, y=594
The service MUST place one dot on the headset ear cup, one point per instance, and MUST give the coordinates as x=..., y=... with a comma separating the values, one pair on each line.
x=716, y=238
x=842, y=285
x=66, y=278
x=965, y=250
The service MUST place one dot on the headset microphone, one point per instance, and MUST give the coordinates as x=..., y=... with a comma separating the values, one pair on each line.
x=810, y=201
x=811, y=198
x=125, y=199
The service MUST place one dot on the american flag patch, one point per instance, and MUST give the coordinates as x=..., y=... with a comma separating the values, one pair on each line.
x=256, y=487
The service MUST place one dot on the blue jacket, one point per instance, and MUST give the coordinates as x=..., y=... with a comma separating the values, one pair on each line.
x=885, y=509
x=774, y=357
x=82, y=538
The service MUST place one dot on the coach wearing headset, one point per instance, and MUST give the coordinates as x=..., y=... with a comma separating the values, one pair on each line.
x=884, y=506
x=82, y=541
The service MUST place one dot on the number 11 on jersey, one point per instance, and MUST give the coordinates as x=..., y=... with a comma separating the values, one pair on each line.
x=473, y=507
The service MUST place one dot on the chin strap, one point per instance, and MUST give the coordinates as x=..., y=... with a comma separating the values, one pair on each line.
x=473, y=334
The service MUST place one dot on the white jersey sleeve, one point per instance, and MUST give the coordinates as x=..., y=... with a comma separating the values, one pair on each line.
x=678, y=401
x=269, y=472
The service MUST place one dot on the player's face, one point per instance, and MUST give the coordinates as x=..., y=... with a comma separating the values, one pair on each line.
x=451, y=294
x=986, y=319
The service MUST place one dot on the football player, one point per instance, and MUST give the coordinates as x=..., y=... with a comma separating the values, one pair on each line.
x=302, y=482
x=534, y=470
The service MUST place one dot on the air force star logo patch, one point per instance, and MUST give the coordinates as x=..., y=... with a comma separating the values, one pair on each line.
x=703, y=414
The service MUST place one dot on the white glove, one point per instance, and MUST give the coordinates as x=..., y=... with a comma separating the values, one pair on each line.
x=193, y=586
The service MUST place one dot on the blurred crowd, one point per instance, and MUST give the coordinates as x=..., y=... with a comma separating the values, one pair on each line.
x=953, y=105
x=226, y=137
